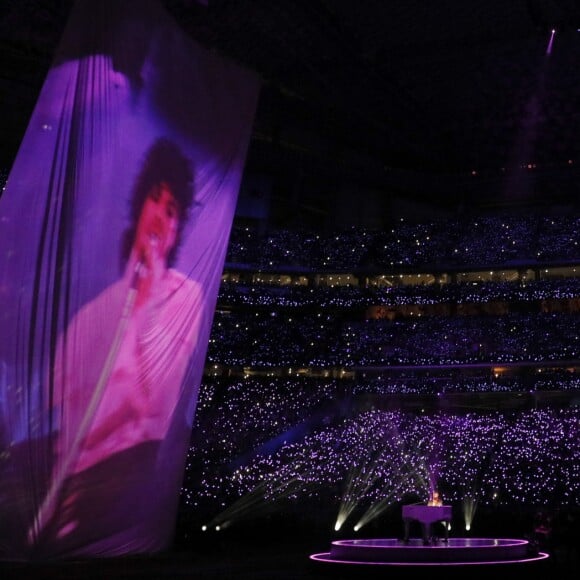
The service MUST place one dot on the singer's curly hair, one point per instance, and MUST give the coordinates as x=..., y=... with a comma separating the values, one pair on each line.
x=164, y=162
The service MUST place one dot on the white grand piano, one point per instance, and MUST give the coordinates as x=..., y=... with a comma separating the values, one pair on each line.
x=426, y=515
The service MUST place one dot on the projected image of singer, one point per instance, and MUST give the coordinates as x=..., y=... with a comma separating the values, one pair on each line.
x=120, y=401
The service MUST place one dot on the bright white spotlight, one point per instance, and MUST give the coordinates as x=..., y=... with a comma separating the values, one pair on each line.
x=551, y=42
x=203, y=528
x=356, y=528
x=217, y=528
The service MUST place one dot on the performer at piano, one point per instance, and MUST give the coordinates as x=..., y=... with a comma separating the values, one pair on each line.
x=434, y=498
x=433, y=512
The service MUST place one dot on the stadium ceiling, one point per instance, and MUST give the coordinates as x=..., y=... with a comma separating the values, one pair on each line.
x=366, y=90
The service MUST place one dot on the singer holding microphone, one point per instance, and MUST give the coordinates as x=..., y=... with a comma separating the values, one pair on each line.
x=120, y=372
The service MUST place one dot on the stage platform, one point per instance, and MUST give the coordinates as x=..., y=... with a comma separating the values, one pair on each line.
x=292, y=553
x=454, y=552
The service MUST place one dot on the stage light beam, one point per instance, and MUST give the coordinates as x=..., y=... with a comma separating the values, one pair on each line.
x=551, y=41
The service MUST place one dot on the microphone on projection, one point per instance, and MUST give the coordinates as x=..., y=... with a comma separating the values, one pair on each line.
x=145, y=259
x=139, y=265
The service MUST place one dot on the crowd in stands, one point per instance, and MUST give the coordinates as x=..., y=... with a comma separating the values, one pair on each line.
x=506, y=239
x=279, y=339
x=354, y=296
x=281, y=438
x=484, y=381
x=292, y=439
